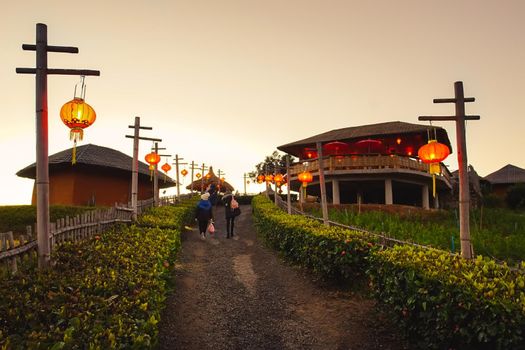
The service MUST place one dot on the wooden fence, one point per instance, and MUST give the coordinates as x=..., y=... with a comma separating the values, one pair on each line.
x=66, y=229
x=383, y=239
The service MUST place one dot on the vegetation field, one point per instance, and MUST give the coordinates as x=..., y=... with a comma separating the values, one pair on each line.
x=495, y=232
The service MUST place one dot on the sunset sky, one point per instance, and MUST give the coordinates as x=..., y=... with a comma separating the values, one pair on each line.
x=225, y=82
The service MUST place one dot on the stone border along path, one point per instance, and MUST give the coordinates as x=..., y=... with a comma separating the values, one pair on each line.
x=238, y=294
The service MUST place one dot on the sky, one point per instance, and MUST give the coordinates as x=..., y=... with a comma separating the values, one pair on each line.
x=225, y=82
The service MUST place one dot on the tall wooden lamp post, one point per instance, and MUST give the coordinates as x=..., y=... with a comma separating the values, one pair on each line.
x=42, y=163
x=464, y=195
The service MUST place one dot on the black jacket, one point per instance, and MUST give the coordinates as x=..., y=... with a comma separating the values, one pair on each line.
x=203, y=211
x=227, y=200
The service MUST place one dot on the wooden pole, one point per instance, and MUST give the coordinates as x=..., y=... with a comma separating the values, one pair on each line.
x=464, y=192
x=324, y=205
x=42, y=162
x=156, y=179
x=135, y=169
x=464, y=195
x=41, y=72
x=192, y=169
x=288, y=196
x=244, y=177
x=177, y=170
x=135, y=165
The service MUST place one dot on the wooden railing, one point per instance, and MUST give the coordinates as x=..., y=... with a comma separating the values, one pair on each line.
x=80, y=227
x=348, y=164
x=66, y=229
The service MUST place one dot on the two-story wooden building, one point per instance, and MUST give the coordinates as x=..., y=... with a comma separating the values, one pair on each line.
x=372, y=164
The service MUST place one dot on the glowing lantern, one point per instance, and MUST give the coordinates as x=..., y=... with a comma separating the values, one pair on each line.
x=77, y=115
x=222, y=179
x=336, y=148
x=268, y=178
x=184, y=172
x=152, y=159
x=198, y=175
x=208, y=176
x=310, y=153
x=166, y=167
x=278, y=178
x=260, y=179
x=305, y=177
x=433, y=153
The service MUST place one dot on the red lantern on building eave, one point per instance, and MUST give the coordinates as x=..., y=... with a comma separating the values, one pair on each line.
x=336, y=148
x=305, y=177
x=77, y=115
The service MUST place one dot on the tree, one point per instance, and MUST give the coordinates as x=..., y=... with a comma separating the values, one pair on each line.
x=276, y=162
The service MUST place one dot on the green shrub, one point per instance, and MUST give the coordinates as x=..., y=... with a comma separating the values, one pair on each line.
x=103, y=293
x=330, y=251
x=16, y=217
x=446, y=302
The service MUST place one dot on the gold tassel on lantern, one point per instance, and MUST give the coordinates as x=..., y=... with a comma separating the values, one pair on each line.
x=434, y=169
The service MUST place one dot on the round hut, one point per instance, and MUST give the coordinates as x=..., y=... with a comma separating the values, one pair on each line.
x=206, y=180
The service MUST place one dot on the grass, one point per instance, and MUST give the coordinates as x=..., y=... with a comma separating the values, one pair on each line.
x=498, y=233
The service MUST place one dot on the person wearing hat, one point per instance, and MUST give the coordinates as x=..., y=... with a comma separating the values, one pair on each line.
x=203, y=214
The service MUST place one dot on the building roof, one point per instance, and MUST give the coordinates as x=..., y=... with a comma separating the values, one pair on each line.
x=94, y=155
x=365, y=131
x=208, y=179
x=509, y=174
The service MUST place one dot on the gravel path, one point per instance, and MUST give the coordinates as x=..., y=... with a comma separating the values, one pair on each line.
x=238, y=294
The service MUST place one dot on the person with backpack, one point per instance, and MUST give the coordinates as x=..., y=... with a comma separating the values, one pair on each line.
x=203, y=214
x=231, y=210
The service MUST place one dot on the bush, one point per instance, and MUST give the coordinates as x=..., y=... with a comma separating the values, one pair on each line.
x=102, y=293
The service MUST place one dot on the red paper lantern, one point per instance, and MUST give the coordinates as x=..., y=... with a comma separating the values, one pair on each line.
x=260, y=179
x=198, y=175
x=166, y=167
x=305, y=177
x=336, y=148
x=77, y=115
x=433, y=152
x=184, y=172
x=278, y=178
x=152, y=159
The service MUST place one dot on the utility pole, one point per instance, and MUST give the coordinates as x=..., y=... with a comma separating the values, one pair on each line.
x=202, y=176
x=177, y=163
x=324, y=205
x=219, y=174
x=135, y=166
x=245, y=177
x=464, y=195
x=276, y=165
x=193, y=167
x=42, y=162
x=156, y=149
x=288, y=196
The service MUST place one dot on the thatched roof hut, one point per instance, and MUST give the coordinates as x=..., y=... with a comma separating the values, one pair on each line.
x=209, y=178
x=101, y=176
x=509, y=174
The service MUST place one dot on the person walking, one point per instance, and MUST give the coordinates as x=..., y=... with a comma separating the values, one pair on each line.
x=230, y=204
x=203, y=214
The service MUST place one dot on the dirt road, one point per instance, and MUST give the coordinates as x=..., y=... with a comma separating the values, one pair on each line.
x=238, y=294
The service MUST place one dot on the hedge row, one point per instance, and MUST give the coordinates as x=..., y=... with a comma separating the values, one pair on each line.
x=442, y=301
x=103, y=293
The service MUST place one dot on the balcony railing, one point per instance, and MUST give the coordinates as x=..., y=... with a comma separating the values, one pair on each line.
x=335, y=165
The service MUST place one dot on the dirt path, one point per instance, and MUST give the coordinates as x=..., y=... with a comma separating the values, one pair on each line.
x=238, y=294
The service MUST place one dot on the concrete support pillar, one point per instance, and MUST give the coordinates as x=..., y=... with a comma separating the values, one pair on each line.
x=336, y=199
x=424, y=197
x=436, y=201
x=388, y=192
